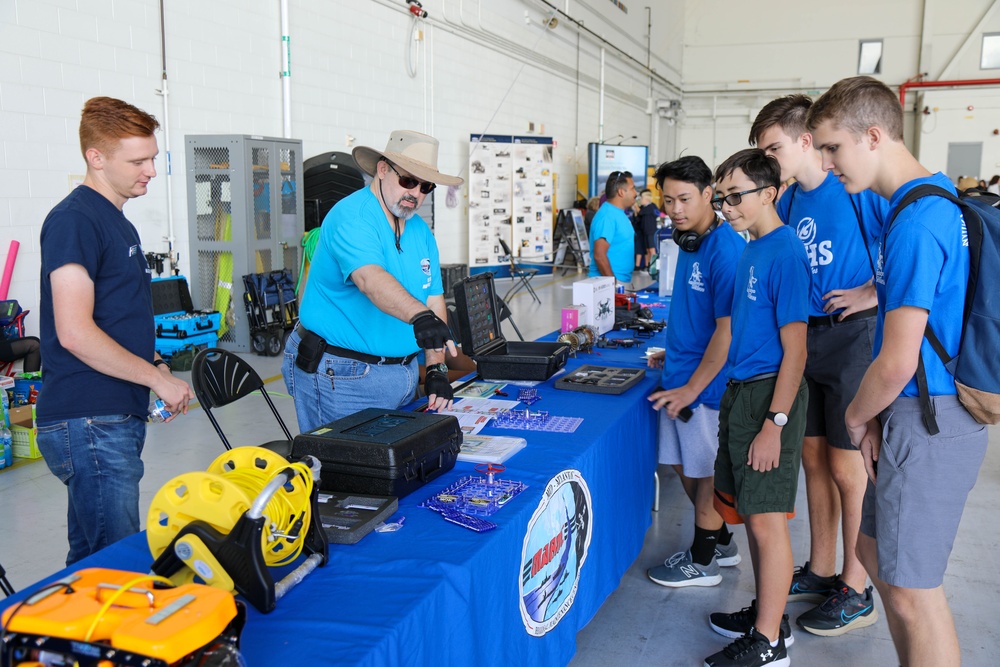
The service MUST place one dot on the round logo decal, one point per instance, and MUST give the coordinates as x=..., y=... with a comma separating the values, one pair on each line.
x=555, y=548
x=806, y=230
x=425, y=266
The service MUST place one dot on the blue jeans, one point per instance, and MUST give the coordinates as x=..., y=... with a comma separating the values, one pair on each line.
x=342, y=386
x=98, y=459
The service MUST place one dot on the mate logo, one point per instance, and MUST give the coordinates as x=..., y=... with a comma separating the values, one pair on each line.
x=806, y=230
x=555, y=547
x=425, y=266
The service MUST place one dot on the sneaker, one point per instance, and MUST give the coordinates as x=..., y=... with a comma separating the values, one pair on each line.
x=727, y=555
x=842, y=612
x=807, y=587
x=740, y=622
x=679, y=570
x=751, y=650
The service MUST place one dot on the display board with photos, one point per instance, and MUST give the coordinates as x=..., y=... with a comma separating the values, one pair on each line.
x=510, y=198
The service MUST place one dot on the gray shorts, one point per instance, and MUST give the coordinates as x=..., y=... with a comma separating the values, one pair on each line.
x=838, y=357
x=914, y=510
x=692, y=444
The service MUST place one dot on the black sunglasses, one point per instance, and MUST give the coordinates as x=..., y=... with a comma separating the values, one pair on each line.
x=734, y=199
x=408, y=182
x=616, y=176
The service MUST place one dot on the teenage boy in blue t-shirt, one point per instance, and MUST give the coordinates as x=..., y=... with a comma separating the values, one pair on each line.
x=836, y=229
x=697, y=344
x=910, y=517
x=762, y=415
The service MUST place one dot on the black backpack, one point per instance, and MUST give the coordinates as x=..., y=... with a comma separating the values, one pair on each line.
x=976, y=367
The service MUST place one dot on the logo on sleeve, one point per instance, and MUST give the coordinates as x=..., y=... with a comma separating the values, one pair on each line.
x=425, y=266
x=879, y=267
x=751, y=290
x=695, y=281
x=965, y=233
x=133, y=250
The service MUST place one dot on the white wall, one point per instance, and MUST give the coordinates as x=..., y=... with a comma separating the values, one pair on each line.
x=738, y=56
x=349, y=77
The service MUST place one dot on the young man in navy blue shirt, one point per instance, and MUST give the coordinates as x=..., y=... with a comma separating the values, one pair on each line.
x=836, y=230
x=97, y=332
x=696, y=349
x=918, y=481
x=762, y=415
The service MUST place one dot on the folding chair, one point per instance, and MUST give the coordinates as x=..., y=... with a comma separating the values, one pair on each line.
x=220, y=378
x=522, y=276
x=5, y=586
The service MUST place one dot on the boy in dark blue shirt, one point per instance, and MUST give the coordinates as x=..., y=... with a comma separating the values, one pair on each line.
x=910, y=517
x=762, y=416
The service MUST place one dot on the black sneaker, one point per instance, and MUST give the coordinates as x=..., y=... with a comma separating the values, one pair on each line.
x=808, y=587
x=738, y=623
x=751, y=650
x=842, y=612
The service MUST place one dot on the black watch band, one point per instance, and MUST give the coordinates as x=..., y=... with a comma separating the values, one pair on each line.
x=162, y=362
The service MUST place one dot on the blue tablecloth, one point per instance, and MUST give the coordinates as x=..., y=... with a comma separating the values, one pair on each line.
x=438, y=594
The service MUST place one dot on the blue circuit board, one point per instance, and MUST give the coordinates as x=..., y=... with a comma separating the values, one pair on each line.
x=475, y=495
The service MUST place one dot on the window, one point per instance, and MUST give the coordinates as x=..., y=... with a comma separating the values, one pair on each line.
x=991, y=51
x=870, y=56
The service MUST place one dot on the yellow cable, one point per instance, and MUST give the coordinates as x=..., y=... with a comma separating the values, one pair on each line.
x=117, y=594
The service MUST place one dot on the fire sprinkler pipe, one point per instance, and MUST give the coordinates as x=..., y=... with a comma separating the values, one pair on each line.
x=958, y=83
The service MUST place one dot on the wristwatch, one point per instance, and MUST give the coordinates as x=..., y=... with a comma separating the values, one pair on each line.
x=779, y=418
x=437, y=368
x=161, y=362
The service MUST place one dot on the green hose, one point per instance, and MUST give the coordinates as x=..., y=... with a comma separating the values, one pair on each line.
x=309, y=241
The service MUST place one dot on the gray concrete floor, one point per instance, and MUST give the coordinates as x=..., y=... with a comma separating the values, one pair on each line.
x=640, y=624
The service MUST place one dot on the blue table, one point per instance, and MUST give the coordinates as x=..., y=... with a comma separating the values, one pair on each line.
x=438, y=594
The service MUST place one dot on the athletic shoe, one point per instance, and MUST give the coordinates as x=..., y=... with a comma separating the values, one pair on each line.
x=842, y=612
x=751, y=650
x=727, y=555
x=740, y=622
x=808, y=587
x=679, y=570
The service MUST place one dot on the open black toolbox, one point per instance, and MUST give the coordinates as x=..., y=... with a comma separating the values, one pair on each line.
x=382, y=452
x=497, y=358
x=174, y=313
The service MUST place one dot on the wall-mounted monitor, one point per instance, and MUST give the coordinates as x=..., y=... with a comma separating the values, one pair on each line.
x=602, y=159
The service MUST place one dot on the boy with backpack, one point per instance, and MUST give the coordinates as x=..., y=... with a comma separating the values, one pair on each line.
x=763, y=410
x=836, y=230
x=921, y=461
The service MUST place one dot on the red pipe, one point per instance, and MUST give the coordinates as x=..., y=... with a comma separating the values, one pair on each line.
x=942, y=84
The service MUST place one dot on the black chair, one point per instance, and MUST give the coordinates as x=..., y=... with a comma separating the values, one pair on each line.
x=220, y=378
x=5, y=586
x=522, y=276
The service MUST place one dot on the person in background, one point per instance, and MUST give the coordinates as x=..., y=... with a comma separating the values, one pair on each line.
x=27, y=348
x=646, y=218
x=593, y=204
x=612, y=238
x=97, y=332
x=994, y=185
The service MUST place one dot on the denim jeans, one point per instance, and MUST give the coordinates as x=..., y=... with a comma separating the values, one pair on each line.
x=342, y=386
x=98, y=459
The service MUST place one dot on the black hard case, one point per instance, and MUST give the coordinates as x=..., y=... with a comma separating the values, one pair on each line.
x=382, y=452
x=497, y=358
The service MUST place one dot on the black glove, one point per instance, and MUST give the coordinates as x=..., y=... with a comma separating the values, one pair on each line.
x=431, y=333
x=437, y=383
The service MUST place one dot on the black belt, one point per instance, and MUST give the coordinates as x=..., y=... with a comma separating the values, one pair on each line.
x=832, y=321
x=755, y=378
x=366, y=358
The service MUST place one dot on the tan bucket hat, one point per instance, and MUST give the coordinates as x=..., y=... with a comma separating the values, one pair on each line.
x=415, y=152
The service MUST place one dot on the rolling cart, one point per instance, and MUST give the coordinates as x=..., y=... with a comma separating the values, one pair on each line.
x=272, y=310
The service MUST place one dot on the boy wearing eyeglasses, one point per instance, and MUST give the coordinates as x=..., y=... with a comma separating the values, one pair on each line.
x=762, y=412
x=921, y=463
x=836, y=230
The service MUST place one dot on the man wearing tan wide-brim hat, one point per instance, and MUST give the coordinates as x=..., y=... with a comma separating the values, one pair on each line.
x=374, y=296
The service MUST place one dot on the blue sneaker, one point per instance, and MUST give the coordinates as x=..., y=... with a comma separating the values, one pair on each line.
x=679, y=571
x=808, y=587
x=842, y=612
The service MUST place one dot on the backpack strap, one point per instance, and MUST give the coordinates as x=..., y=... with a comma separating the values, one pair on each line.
x=861, y=228
x=927, y=190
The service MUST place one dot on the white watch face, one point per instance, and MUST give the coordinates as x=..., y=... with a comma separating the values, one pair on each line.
x=780, y=418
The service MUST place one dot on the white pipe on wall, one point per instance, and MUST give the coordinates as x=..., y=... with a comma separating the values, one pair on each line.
x=600, y=114
x=286, y=73
x=165, y=92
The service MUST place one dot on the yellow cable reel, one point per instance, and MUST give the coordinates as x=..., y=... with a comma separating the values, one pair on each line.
x=218, y=498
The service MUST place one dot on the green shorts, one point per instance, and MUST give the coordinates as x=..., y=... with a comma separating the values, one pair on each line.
x=742, y=413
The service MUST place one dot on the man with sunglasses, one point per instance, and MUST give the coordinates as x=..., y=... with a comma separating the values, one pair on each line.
x=612, y=237
x=374, y=297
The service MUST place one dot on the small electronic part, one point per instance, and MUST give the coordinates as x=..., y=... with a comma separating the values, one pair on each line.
x=580, y=339
x=615, y=343
x=644, y=328
x=473, y=523
x=528, y=396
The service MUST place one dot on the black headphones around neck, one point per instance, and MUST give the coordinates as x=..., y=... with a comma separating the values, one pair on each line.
x=690, y=240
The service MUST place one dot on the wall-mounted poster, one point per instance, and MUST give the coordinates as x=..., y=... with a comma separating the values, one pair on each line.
x=489, y=199
x=510, y=198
